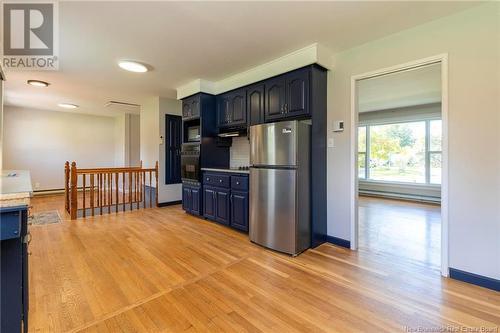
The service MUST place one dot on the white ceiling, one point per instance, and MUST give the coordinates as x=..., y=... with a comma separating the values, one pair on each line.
x=408, y=88
x=184, y=41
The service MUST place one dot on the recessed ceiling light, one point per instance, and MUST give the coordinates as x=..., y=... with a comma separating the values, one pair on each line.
x=132, y=66
x=67, y=105
x=38, y=83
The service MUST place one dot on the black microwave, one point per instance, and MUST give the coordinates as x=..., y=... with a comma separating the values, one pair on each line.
x=193, y=133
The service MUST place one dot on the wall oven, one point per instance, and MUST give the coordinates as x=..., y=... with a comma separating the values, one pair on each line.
x=190, y=162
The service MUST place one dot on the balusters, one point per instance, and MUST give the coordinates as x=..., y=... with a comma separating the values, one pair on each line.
x=92, y=193
x=130, y=189
x=150, y=197
x=84, y=207
x=100, y=193
x=116, y=191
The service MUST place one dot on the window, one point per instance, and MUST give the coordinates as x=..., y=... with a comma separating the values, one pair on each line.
x=401, y=152
x=362, y=152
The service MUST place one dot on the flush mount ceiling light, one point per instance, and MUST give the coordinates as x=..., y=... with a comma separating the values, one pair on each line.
x=38, y=83
x=67, y=105
x=133, y=66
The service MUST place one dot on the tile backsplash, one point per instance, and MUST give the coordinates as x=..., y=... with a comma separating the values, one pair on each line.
x=240, y=152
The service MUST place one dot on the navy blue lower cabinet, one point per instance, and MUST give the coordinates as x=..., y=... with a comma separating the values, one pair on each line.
x=222, y=212
x=14, y=270
x=196, y=200
x=191, y=198
x=209, y=202
x=239, y=210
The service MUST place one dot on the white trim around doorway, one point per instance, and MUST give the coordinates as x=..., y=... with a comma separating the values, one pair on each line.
x=443, y=60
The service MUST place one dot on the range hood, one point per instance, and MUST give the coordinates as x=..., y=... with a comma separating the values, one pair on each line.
x=230, y=133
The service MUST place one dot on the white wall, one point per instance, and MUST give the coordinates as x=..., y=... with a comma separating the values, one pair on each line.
x=42, y=141
x=120, y=139
x=471, y=39
x=152, y=119
x=150, y=132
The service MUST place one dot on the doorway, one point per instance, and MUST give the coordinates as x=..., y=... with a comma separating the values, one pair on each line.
x=399, y=162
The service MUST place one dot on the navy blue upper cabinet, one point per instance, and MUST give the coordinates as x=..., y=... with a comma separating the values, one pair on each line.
x=297, y=93
x=191, y=107
x=256, y=104
x=275, y=98
x=232, y=109
x=287, y=95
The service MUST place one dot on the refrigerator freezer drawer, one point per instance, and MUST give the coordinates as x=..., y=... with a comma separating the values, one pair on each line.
x=273, y=209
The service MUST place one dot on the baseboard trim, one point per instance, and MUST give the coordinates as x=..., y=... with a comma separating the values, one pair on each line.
x=338, y=241
x=472, y=278
x=170, y=203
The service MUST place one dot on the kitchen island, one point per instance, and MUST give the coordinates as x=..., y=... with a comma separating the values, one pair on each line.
x=15, y=195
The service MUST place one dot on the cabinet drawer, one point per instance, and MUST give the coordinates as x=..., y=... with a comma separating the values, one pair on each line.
x=216, y=180
x=239, y=183
x=10, y=225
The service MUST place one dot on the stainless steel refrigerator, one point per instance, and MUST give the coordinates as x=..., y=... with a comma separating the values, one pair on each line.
x=280, y=186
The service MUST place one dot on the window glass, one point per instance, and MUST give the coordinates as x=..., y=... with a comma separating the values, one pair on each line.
x=362, y=139
x=361, y=165
x=435, y=135
x=435, y=168
x=397, y=152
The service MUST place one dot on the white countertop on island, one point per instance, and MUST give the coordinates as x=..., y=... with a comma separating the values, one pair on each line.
x=15, y=188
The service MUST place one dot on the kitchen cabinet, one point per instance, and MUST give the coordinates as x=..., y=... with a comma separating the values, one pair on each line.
x=173, y=139
x=191, y=198
x=232, y=109
x=14, y=269
x=225, y=199
x=222, y=201
x=256, y=104
x=239, y=210
x=287, y=95
x=191, y=107
x=209, y=206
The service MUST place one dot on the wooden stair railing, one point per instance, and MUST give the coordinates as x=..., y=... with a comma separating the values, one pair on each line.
x=101, y=186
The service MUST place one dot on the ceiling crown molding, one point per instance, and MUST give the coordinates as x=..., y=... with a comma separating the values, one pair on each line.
x=312, y=54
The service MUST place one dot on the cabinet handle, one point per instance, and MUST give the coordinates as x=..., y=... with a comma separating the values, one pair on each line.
x=208, y=178
x=220, y=180
x=237, y=183
x=286, y=108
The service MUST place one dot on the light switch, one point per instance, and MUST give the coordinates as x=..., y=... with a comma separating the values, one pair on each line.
x=331, y=143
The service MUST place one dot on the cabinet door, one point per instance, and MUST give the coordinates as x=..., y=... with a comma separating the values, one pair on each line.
x=186, y=108
x=209, y=202
x=222, y=206
x=186, y=198
x=239, y=210
x=238, y=108
x=195, y=106
x=275, y=99
x=173, y=138
x=297, y=93
x=223, y=110
x=196, y=200
x=255, y=104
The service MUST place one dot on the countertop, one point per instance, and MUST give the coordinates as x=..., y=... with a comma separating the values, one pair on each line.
x=226, y=170
x=15, y=188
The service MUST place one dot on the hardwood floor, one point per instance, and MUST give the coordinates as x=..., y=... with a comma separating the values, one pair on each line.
x=161, y=270
x=402, y=228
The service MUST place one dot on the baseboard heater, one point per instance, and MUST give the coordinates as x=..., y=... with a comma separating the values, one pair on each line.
x=401, y=196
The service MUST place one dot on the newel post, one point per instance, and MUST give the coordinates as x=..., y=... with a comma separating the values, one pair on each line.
x=66, y=186
x=156, y=180
x=74, y=193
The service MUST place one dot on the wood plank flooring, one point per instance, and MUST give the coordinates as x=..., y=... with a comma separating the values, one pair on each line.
x=407, y=229
x=161, y=270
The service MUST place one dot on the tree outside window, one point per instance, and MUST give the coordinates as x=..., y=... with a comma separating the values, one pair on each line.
x=401, y=152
